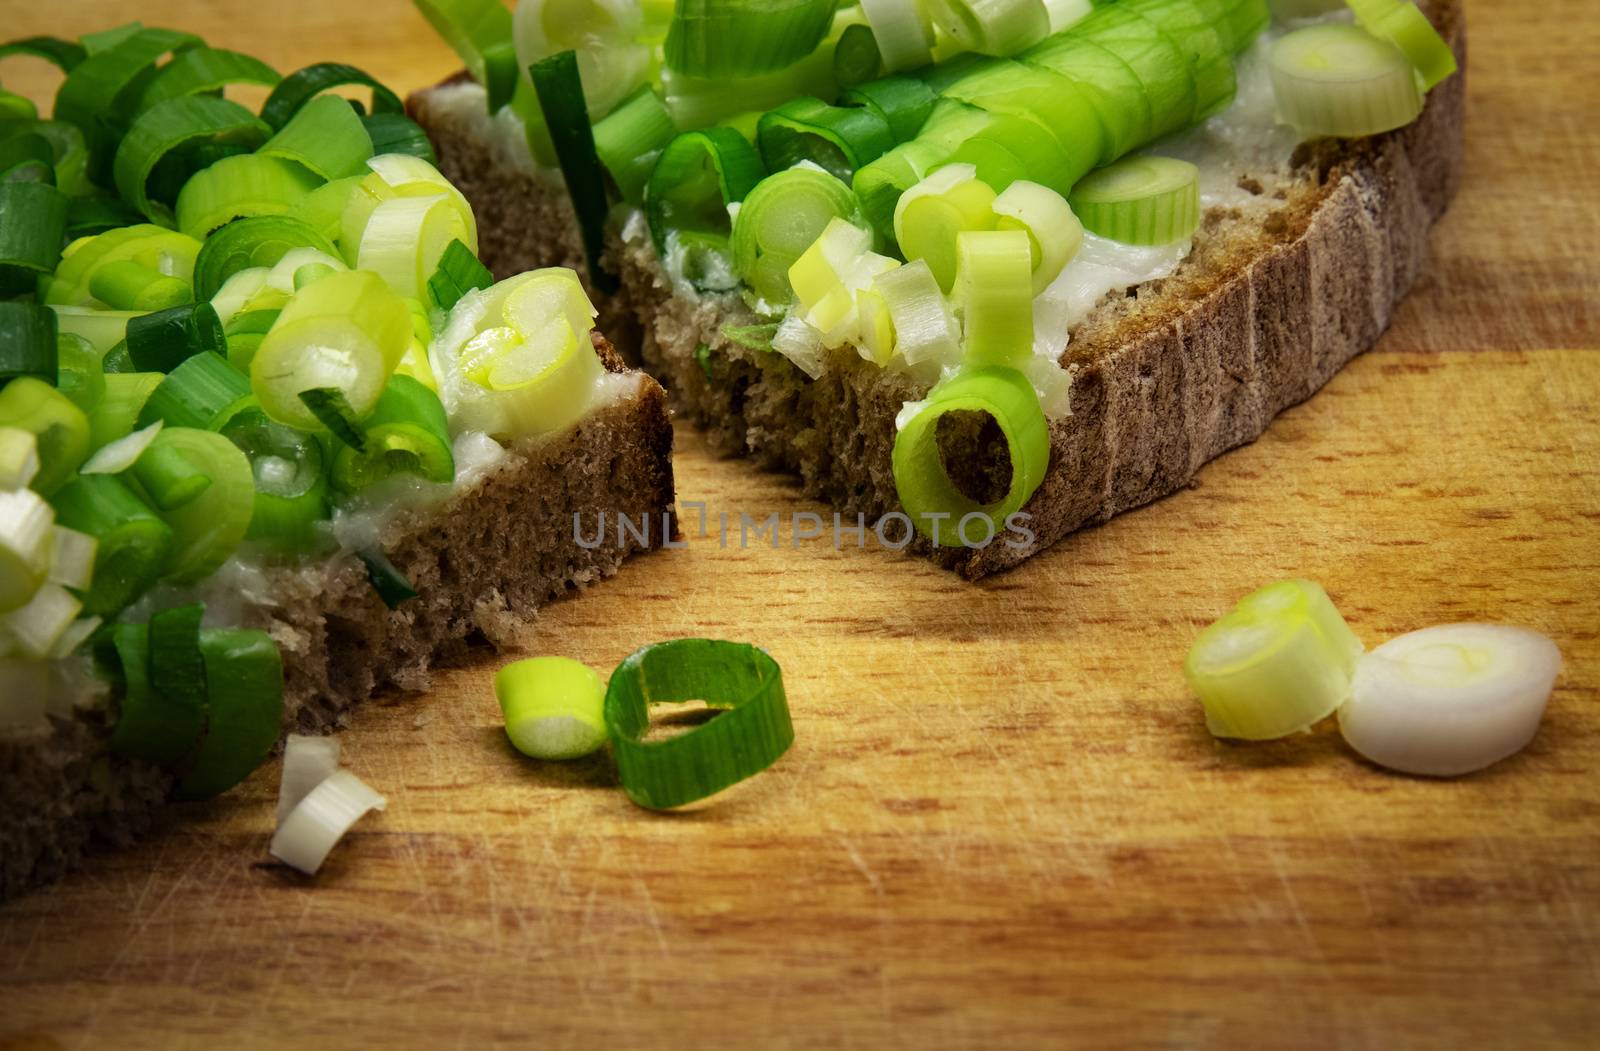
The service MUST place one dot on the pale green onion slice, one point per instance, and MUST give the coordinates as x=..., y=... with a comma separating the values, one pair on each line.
x=903, y=32
x=930, y=215
x=395, y=176
x=123, y=453
x=818, y=276
x=1279, y=663
x=604, y=33
x=741, y=38
x=346, y=332
x=554, y=707
x=994, y=291
x=1341, y=81
x=312, y=829
x=1402, y=24
x=1054, y=233
x=72, y=558
x=480, y=32
x=924, y=328
x=941, y=509
x=25, y=539
x=307, y=762
x=36, y=627
x=237, y=187
x=779, y=219
x=1452, y=699
x=801, y=344
x=1141, y=201
x=405, y=238
x=207, y=529
x=992, y=27
x=101, y=329
x=19, y=458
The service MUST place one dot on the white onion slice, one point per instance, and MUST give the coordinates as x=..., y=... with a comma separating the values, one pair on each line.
x=1451, y=699
x=118, y=456
x=307, y=762
x=321, y=819
x=72, y=560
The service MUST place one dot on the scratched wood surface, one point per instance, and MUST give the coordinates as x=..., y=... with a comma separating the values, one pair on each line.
x=1002, y=823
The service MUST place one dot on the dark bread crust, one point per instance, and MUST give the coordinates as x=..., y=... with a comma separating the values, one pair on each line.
x=1256, y=320
x=482, y=564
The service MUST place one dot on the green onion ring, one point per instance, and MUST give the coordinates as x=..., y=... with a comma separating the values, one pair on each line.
x=301, y=86
x=166, y=127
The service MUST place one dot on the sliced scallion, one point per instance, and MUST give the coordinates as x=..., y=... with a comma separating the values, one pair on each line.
x=856, y=58
x=1339, y=80
x=30, y=344
x=207, y=529
x=255, y=241
x=699, y=174
x=924, y=329
x=992, y=27
x=303, y=85
x=905, y=103
x=290, y=480
x=630, y=140
x=63, y=54
x=33, y=224
x=204, y=391
x=117, y=413
x=994, y=290
x=151, y=725
x=25, y=542
x=204, y=71
x=406, y=433
x=740, y=38
x=244, y=710
x=95, y=95
x=480, y=33
x=554, y=707
x=903, y=32
x=931, y=214
x=125, y=284
x=172, y=124
x=398, y=133
x=161, y=341
x=1054, y=233
x=326, y=137
x=133, y=541
x=838, y=139
x=19, y=458
x=1141, y=200
x=781, y=218
x=459, y=271
x=239, y=187
x=312, y=829
x=61, y=428
x=1402, y=24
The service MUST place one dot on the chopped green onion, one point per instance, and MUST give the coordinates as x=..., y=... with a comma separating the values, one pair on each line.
x=172, y=124
x=699, y=174
x=607, y=35
x=120, y=455
x=751, y=731
x=101, y=329
x=326, y=137
x=29, y=342
x=243, y=673
x=95, y=95
x=458, y=272
x=630, y=140
x=1339, y=80
x=903, y=32
x=392, y=586
x=60, y=426
x=72, y=561
x=397, y=133
x=164, y=251
x=177, y=669
x=905, y=103
x=1277, y=664
x=329, y=406
x=931, y=214
x=125, y=284
x=751, y=337
x=856, y=58
x=740, y=38
x=27, y=158
x=208, y=529
x=133, y=541
x=19, y=458
x=255, y=241
x=835, y=138
x=827, y=277
x=1449, y=700
x=1407, y=28
x=152, y=725
x=203, y=392
x=1054, y=233
x=1026, y=99
x=307, y=762
x=117, y=413
x=922, y=325
x=560, y=90
x=240, y=187
x=1289, y=10
x=992, y=27
x=407, y=433
x=204, y=71
x=994, y=289
x=63, y=54
x=88, y=216
x=33, y=223
x=16, y=108
x=290, y=480
x=480, y=33
x=160, y=342
x=323, y=207
x=312, y=829
x=1141, y=200
x=301, y=86
x=1200, y=37
x=1160, y=66
x=81, y=376
x=400, y=221
x=37, y=629
x=781, y=218
x=937, y=506
x=554, y=707
x=879, y=185
x=25, y=542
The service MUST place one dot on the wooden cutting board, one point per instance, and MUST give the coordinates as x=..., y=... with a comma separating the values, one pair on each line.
x=1002, y=823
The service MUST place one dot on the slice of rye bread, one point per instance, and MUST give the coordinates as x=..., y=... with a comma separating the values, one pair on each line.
x=1277, y=296
x=482, y=563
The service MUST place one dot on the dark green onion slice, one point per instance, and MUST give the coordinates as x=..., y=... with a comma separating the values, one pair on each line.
x=392, y=586
x=630, y=140
x=33, y=223
x=459, y=271
x=750, y=732
x=406, y=434
x=80, y=377
x=15, y=108
x=63, y=54
x=94, y=94
x=291, y=482
x=172, y=124
x=856, y=58
x=126, y=284
x=204, y=391
x=244, y=710
x=326, y=137
x=88, y=216
x=106, y=39
x=161, y=341
x=177, y=670
x=60, y=428
x=397, y=133
x=560, y=90
x=169, y=478
x=905, y=103
x=151, y=724
x=208, y=529
x=303, y=85
x=133, y=540
x=204, y=71
x=480, y=33
x=838, y=139
x=245, y=333
x=27, y=157
x=699, y=174
x=333, y=411
x=259, y=240
x=742, y=38
x=71, y=156
x=29, y=341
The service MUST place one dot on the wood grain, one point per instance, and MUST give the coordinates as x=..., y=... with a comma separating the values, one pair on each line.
x=1002, y=823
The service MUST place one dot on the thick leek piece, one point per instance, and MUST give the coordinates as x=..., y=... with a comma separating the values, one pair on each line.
x=904, y=103
x=30, y=344
x=630, y=140
x=204, y=71
x=1054, y=232
x=173, y=124
x=741, y=38
x=992, y=27
x=33, y=223
x=781, y=218
x=1158, y=63
x=750, y=732
x=560, y=90
x=326, y=137
x=60, y=427
x=699, y=174
x=405, y=434
x=1141, y=201
x=204, y=391
x=838, y=139
x=1341, y=81
x=1449, y=700
x=166, y=252
x=480, y=32
x=459, y=272
x=1402, y=24
x=244, y=710
x=994, y=291
x=1025, y=101
x=290, y=479
x=311, y=831
x=1279, y=663
x=239, y=187
x=160, y=342
x=938, y=507
x=346, y=332
x=255, y=241
x=300, y=87
x=153, y=725
x=554, y=707
x=208, y=529
x=903, y=32
x=931, y=214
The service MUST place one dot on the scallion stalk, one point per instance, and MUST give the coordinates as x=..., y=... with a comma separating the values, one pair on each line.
x=480, y=32
x=994, y=291
x=170, y=125
x=244, y=710
x=781, y=218
x=560, y=90
x=238, y=187
x=699, y=174
x=204, y=71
